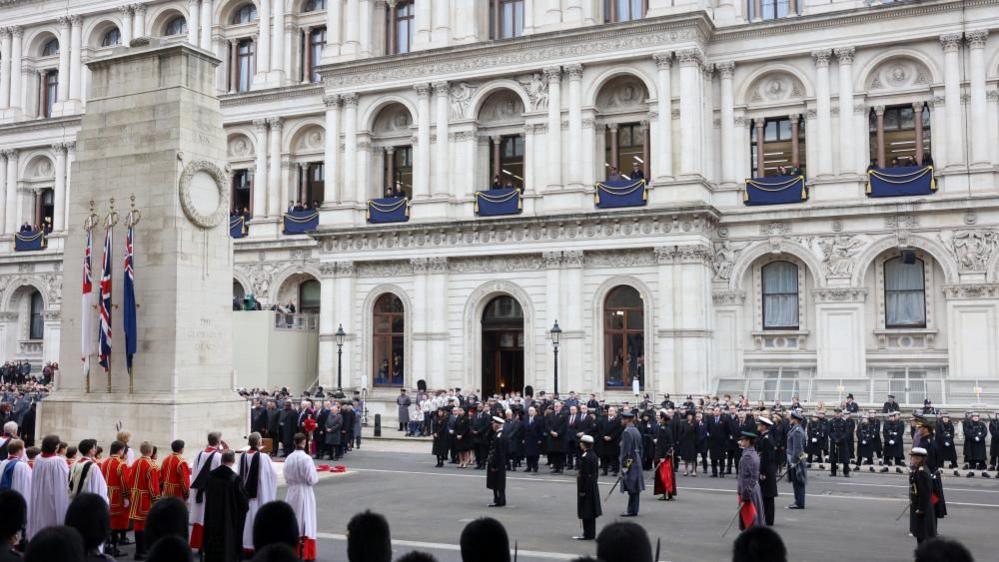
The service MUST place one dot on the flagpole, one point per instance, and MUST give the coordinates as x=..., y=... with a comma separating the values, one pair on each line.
x=131, y=219
x=88, y=227
x=110, y=221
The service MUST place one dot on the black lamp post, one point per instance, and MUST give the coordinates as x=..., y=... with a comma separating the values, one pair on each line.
x=340, y=336
x=556, y=333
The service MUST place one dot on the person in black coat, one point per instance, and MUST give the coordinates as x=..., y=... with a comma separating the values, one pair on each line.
x=532, y=435
x=609, y=441
x=347, y=430
x=688, y=445
x=839, y=432
x=557, y=435
x=922, y=516
x=767, y=450
x=587, y=490
x=718, y=437
x=480, y=436
x=321, y=446
x=226, y=505
x=287, y=428
x=440, y=433
x=499, y=444
x=514, y=432
x=463, y=439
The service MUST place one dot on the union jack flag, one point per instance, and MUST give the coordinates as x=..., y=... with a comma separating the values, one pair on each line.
x=105, y=333
x=87, y=317
x=128, y=315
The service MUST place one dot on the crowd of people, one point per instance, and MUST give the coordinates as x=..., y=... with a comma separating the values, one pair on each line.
x=68, y=503
x=330, y=421
x=20, y=373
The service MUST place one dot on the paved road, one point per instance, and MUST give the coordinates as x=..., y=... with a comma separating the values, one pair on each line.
x=427, y=508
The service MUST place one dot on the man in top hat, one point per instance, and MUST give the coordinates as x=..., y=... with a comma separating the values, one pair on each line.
x=767, y=451
x=630, y=460
x=499, y=444
x=839, y=431
x=922, y=516
x=892, y=433
x=587, y=489
x=796, y=467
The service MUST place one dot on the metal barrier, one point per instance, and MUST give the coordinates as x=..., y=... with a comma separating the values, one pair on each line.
x=296, y=321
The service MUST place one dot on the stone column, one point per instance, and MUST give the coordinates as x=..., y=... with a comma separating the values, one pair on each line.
x=879, y=112
x=274, y=168
x=438, y=279
x=442, y=181
x=939, y=133
x=65, y=33
x=421, y=310
x=611, y=139
x=327, y=363
x=575, y=72
x=258, y=205
x=690, y=110
x=3, y=187
x=278, y=39
x=76, y=58
x=553, y=312
x=334, y=28
x=917, y=118
x=528, y=17
x=845, y=57
x=442, y=23
x=976, y=90
x=70, y=158
x=59, y=193
x=331, y=152
x=554, y=153
x=206, y=25
x=126, y=24
x=725, y=72
x=16, y=33
x=811, y=147
x=795, y=147
x=421, y=165
x=10, y=197
x=572, y=343
x=365, y=24
x=263, y=43
x=139, y=19
x=662, y=164
x=708, y=122
x=952, y=98
x=423, y=34
x=193, y=22
x=761, y=168
x=351, y=45
x=350, y=148
x=495, y=144
x=364, y=168
x=823, y=111
x=553, y=12
x=740, y=150
x=4, y=68
x=589, y=150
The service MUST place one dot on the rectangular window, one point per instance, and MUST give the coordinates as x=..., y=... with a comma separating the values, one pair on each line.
x=242, y=191
x=245, y=54
x=317, y=41
x=780, y=296
x=401, y=27
x=506, y=19
x=50, y=93
x=905, y=294
x=624, y=10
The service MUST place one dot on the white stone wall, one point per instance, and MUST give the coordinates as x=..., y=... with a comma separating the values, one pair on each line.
x=702, y=78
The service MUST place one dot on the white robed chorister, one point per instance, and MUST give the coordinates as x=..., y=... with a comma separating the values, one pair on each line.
x=17, y=470
x=49, y=493
x=300, y=475
x=266, y=488
x=86, y=478
x=196, y=509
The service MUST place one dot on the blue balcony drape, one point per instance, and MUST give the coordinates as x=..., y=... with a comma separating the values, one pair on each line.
x=29, y=241
x=620, y=193
x=900, y=181
x=300, y=222
x=497, y=202
x=388, y=209
x=775, y=190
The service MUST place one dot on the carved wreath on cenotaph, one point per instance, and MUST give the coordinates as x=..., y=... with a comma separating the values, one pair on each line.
x=204, y=204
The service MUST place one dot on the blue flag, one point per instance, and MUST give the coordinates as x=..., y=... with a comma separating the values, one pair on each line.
x=128, y=316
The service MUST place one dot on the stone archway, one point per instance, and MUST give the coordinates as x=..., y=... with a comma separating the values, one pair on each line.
x=502, y=332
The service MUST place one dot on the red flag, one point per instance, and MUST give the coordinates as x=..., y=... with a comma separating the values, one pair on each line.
x=665, y=484
x=747, y=514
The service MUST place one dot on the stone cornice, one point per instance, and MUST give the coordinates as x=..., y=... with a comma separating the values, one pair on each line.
x=637, y=225
x=971, y=291
x=272, y=95
x=55, y=124
x=533, y=52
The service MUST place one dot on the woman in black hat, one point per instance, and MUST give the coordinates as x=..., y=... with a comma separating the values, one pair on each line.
x=750, y=496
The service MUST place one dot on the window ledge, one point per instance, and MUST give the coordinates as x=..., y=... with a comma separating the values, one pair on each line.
x=906, y=338
x=780, y=340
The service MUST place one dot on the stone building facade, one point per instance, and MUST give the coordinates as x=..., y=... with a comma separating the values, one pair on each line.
x=335, y=101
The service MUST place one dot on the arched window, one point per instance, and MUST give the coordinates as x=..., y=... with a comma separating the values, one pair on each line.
x=176, y=26
x=624, y=338
x=51, y=48
x=905, y=293
x=314, y=5
x=624, y=10
x=245, y=14
x=36, y=326
x=111, y=38
x=389, y=341
x=308, y=297
x=780, y=296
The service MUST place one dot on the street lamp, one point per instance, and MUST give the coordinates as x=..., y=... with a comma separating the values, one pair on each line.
x=556, y=333
x=340, y=336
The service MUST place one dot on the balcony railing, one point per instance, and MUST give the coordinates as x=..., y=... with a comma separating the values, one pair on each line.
x=296, y=321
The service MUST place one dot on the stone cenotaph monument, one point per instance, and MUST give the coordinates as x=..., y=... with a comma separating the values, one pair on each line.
x=152, y=129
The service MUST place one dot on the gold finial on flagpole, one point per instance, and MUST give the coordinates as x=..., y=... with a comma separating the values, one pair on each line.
x=134, y=215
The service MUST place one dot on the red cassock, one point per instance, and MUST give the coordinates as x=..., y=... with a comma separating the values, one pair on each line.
x=176, y=477
x=665, y=483
x=116, y=475
x=144, y=483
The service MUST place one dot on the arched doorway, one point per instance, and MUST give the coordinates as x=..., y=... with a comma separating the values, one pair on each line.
x=502, y=346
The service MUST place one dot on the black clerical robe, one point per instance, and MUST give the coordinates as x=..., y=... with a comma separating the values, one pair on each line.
x=226, y=505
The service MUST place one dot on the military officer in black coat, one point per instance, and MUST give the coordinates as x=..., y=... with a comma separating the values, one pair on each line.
x=922, y=516
x=975, y=436
x=839, y=433
x=766, y=448
x=944, y=437
x=866, y=433
x=499, y=444
x=587, y=489
x=892, y=433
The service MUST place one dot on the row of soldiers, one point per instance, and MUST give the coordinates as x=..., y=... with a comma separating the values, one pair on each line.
x=844, y=439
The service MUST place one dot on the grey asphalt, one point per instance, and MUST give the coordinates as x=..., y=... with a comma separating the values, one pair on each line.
x=846, y=518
